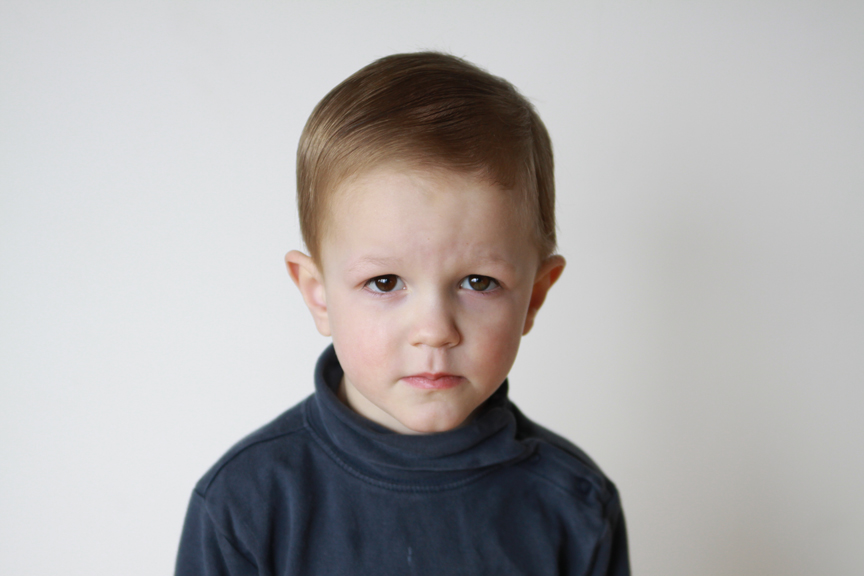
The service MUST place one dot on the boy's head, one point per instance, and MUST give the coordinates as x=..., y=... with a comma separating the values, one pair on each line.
x=426, y=110
x=426, y=200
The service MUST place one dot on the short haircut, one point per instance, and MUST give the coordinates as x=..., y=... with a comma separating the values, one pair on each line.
x=430, y=111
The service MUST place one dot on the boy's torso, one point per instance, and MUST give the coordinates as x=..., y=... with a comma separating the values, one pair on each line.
x=317, y=492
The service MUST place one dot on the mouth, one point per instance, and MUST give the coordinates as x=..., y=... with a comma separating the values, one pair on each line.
x=437, y=381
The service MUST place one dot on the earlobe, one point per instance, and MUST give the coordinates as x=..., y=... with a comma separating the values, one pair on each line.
x=547, y=274
x=309, y=280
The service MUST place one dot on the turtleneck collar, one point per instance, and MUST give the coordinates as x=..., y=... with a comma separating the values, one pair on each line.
x=489, y=439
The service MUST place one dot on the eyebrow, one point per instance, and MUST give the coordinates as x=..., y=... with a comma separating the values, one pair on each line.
x=392, y=262
x=383, y=262
x=494, y=259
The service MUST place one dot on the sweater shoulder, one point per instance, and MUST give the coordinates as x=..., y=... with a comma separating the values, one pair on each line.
x=563, y=464
x=257, y=448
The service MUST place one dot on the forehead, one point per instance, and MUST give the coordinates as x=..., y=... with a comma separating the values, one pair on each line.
x=396, y=212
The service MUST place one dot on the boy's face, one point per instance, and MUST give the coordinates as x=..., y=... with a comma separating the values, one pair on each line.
x=427, y=283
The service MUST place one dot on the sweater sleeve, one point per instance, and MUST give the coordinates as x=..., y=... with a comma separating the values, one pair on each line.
x=619, y=560
x=205, y=550
x=613, y=558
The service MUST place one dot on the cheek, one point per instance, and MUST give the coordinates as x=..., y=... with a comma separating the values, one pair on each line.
x=497, y=334
x=503, y=317
x=362, y=338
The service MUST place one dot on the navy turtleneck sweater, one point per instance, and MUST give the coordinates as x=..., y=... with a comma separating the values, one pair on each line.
x=321, y=491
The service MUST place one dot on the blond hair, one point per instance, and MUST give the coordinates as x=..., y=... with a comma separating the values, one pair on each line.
x=429, y=110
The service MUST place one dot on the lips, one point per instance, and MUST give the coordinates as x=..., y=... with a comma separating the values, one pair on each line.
x=437, y=381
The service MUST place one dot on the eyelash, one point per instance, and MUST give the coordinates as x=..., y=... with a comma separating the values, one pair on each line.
x=370, y=284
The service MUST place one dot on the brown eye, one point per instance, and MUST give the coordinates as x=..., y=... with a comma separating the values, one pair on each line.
x=479, y=283
x=386, y=283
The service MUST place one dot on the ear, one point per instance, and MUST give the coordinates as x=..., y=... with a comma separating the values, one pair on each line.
x=547, y=274
x=308, y=278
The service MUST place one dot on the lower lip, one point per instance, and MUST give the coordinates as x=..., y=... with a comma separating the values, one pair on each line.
x=442, y=383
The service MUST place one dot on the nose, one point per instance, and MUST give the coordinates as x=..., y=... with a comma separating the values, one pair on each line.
x=435, y=325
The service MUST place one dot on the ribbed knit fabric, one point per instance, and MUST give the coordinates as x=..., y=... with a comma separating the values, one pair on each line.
x=321, y=490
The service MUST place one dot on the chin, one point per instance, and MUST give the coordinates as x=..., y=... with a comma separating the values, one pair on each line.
x=432, y=424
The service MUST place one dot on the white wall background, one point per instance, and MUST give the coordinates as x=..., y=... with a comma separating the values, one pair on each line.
x=704, y=345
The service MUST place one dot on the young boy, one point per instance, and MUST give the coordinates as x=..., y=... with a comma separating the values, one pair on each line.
x=426, y=200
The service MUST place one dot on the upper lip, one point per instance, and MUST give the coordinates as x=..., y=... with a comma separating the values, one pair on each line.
x=433, y=375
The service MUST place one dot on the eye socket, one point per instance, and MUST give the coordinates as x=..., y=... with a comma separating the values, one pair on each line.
x=479, y=283
x=386, y=283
